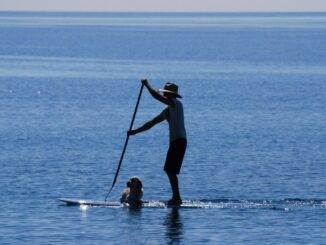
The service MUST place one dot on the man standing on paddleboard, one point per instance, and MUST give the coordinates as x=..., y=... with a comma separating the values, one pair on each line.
x=173, y=113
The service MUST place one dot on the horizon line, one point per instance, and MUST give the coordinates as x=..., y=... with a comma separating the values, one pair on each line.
x=162, y=12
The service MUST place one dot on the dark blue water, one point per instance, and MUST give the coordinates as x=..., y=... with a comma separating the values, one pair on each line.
x=254, y=90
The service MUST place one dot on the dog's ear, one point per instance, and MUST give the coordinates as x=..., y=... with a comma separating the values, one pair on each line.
x=139, y=184
x=129, y=184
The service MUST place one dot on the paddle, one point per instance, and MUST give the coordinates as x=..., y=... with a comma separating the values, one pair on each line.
x=126, y=142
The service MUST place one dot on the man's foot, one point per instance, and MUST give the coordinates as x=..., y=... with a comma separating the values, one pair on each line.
x=173, y=202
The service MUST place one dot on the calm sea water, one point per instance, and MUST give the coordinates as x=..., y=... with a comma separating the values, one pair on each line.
x=254, y=89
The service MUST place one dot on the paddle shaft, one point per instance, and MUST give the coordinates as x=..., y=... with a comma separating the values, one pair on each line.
x=126, y=142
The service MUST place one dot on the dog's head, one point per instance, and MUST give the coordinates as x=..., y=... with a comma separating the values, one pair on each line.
x=135, y=183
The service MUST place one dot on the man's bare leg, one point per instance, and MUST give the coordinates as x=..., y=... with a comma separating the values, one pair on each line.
x=176, y=198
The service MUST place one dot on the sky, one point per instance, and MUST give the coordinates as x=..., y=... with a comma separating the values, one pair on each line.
x=165, y=5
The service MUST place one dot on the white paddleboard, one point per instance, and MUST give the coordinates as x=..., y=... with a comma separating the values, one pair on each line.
x=78, y=202
x=146, y=204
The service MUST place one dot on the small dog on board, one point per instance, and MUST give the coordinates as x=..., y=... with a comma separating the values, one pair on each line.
x=133, y=193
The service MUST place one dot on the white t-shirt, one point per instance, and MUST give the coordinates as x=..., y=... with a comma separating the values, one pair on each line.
x=174, y=116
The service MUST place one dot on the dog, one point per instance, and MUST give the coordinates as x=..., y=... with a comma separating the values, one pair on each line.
x=133, y=193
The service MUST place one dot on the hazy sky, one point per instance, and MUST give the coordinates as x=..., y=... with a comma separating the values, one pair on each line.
x=164, y=5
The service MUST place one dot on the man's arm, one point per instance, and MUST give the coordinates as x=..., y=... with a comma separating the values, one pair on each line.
x=156, y=94
x=159, y=118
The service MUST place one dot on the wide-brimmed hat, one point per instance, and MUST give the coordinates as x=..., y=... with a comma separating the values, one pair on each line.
x=171, y=88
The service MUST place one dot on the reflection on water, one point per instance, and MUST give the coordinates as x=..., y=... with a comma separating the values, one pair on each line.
x=134, y=211
x=83, y=209
x=174, y=227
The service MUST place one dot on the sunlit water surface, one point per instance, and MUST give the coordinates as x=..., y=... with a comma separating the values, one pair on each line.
x=254, y=97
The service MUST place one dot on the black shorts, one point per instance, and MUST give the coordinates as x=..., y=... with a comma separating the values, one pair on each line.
x=175, y=156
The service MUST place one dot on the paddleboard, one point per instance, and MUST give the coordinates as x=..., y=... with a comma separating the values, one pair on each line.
x=79, y=202
x=146, y=204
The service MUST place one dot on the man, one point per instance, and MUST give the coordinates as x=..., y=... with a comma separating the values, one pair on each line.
x=173, y=113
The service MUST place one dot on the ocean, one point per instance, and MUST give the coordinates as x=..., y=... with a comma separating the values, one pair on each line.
x=253, y=87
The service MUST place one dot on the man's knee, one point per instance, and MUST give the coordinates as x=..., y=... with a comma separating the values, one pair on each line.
x=171, y=175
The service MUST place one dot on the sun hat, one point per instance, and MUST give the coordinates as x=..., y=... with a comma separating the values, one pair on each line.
x=170, y=88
